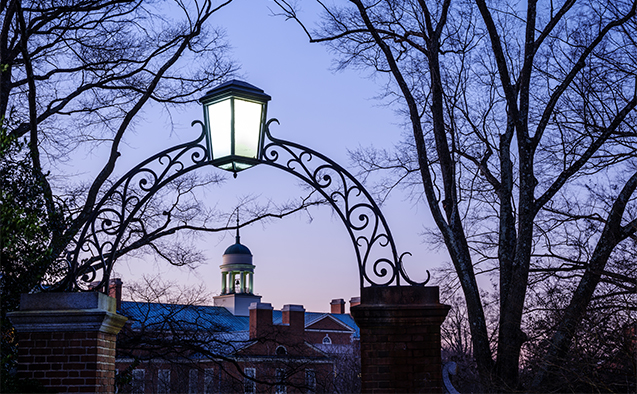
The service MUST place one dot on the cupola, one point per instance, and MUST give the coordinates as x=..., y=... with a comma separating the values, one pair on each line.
x=237, y=270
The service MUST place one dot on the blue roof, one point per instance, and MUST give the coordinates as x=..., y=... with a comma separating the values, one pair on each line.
x=155, y=315
x=213, y=318
x=348, y=320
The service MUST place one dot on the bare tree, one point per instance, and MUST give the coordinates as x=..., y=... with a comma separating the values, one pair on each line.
x=522, y=119
x=77, y=77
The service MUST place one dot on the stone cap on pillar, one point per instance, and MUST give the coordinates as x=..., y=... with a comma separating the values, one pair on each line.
x=47, y=312
x=409, y=305
x=400, y=295
x=66, y=301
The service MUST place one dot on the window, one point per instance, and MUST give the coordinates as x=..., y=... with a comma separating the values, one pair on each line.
x=281, y=351
x=249, y=384
x=310, y=380
x=280, y=382
x=208, y=379
x=163, y=381
x=327, y=340
x=138, y=381
x=193, y=381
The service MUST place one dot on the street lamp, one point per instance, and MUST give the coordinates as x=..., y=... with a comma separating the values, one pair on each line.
x=234, y=116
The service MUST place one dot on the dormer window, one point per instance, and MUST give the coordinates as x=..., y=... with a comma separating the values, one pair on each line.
x=281, y=351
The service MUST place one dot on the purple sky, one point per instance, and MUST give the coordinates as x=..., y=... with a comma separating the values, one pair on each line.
x=297, y=262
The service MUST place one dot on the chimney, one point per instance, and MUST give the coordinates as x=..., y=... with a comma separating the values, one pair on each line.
x=294, y=316
x=337, y=306
x=260, y=319
x=115, y=291
x=354, y=301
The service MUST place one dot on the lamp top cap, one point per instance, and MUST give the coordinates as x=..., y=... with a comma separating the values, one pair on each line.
x=236, y=88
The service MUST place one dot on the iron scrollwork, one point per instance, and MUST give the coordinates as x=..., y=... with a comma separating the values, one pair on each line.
x=119, y=216
x=88, y=262
x=378, y=261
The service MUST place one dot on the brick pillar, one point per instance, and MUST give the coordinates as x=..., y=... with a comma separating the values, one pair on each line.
x=400, y=339
x=67, y=340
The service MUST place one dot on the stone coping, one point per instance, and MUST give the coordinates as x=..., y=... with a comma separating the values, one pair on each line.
x=64, y=312
x=77, y=320
x=67, y=301
x=400, y=295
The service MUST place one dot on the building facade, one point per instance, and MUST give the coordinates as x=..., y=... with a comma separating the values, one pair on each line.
x=238, y=344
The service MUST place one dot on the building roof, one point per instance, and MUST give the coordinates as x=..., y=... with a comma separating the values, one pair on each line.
x=212, y=318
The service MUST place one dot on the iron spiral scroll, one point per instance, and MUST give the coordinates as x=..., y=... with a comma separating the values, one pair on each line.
x=378, y=261
x=88, y=263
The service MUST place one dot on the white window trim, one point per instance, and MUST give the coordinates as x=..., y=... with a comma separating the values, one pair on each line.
x=193, y=381
x=208, y=380
x=280, y=387
x=249, y=386
x=310, y=382
x=163, y=381
x=138, y=381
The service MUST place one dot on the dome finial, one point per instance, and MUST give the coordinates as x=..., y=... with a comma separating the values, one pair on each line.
x=238, y=238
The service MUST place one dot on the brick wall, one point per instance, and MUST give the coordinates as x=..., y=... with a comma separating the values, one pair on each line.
x=71, y=362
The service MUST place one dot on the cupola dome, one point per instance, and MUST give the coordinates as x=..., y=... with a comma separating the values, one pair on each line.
x=237, y=248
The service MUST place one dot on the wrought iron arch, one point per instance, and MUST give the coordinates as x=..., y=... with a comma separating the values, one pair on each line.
x=87, y=264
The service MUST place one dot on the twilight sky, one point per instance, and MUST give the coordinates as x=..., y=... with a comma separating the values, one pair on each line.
x=298, y=260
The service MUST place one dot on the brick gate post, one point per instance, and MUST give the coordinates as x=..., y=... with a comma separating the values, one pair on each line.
x=66, y=341
x=400, y=339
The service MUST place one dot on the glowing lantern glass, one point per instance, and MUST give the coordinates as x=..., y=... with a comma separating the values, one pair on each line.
x=234, y=114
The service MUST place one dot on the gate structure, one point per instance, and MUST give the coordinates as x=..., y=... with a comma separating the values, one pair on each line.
x=399, y=318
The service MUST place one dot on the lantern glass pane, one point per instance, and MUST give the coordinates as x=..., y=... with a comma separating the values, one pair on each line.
x=247, y=127
x=242, y=166
x=219, y=119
